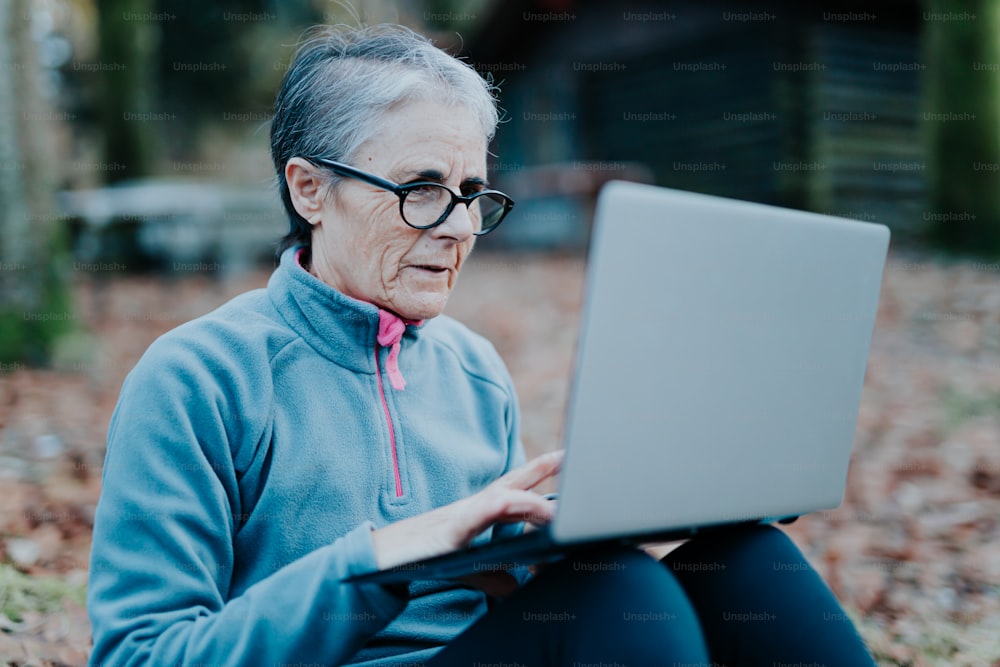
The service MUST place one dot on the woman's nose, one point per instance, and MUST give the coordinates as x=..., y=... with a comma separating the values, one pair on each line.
x=459, y=224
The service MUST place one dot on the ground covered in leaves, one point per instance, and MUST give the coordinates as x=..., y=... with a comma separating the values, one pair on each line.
x=914, y=551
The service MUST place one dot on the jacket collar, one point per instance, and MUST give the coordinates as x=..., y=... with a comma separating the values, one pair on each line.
x=341, y=328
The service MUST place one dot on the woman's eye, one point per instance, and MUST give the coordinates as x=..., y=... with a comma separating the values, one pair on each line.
x=423, y=191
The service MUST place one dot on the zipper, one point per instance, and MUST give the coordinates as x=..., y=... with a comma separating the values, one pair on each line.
x=388, y=421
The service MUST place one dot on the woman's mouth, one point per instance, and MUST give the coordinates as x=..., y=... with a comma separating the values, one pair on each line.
x=430, y=268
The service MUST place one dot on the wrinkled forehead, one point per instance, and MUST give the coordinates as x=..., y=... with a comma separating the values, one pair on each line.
x=426, y=129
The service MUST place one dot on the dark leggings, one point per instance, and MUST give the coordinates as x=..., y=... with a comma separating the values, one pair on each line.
x=743, y=597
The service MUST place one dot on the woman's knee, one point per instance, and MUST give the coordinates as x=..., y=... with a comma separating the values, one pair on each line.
x=626, y=573
x=760, y=601
x=625, y=601
x=729, y=551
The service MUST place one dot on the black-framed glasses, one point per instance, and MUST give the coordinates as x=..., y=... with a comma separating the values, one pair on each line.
x=426, y=204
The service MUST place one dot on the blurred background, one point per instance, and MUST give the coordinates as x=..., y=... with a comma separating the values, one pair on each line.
x=136, y=193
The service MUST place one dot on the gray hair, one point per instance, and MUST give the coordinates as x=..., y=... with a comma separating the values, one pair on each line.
x=341, y=83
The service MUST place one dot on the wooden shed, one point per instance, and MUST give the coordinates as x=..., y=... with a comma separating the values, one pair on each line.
x=786, y=103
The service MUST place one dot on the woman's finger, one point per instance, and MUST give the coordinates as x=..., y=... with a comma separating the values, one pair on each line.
x=534, y=472
x=510, y=505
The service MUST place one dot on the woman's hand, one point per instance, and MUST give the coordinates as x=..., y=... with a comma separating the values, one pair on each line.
x=445, y=529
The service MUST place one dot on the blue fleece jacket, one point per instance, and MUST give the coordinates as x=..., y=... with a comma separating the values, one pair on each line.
x=252, y=452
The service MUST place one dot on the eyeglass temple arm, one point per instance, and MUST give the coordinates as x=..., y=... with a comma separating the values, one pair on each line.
x=346, y=170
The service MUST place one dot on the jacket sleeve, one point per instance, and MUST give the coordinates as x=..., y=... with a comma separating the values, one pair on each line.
x=163, y=556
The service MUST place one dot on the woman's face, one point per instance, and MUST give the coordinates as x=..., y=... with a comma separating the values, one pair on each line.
x=360, y=244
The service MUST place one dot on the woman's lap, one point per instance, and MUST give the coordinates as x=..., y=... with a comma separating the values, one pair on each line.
x=743, y=597
x=610, y=607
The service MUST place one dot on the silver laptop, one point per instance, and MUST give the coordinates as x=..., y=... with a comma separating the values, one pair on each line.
x=718, y=376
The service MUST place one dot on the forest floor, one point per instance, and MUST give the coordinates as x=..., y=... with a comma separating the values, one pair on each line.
x=913, y=552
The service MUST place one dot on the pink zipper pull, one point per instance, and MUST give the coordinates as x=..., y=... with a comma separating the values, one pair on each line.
x=390, y=333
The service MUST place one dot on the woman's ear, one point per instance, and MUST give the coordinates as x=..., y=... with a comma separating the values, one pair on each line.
x=306, y=189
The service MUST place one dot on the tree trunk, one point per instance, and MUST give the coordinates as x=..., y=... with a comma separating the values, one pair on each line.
x=125, y=54
x=33, y=309
x=962, y=122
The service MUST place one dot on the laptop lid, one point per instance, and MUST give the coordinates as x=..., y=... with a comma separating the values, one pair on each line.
x=720, y=366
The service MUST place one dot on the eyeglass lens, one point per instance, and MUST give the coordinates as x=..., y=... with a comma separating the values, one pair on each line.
x=428, y=204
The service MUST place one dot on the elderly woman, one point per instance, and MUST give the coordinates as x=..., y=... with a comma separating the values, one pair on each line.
x=336, y=422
